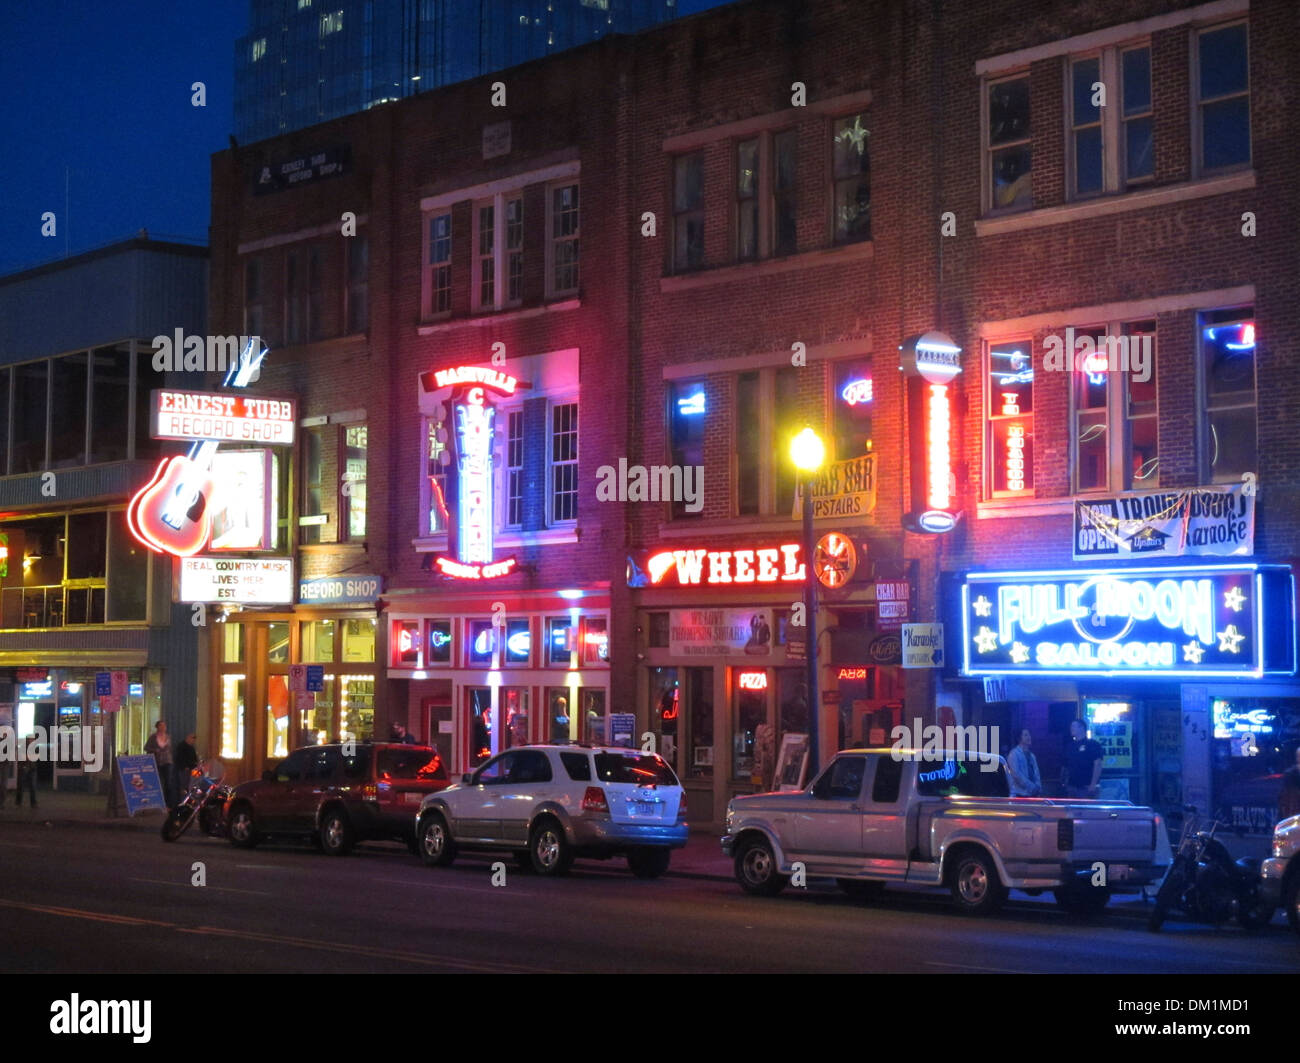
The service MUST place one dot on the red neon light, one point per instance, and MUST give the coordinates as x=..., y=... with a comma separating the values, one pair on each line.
x=937, y=446
x=457, y=570
x=439, y=498
x=1010, y=403
x=858, y=672
x=470, y=374
x=178, y=491
x=752, y=680
x=776, y=564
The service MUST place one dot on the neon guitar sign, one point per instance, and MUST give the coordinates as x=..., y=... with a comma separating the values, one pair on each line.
x=170, y=514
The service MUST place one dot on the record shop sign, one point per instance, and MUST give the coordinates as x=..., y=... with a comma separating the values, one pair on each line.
x=302, y=169
x=842, y=489
x=1211, y=521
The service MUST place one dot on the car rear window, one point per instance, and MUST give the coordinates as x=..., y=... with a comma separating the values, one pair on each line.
x=578, y=765
x=357, y=763
x=635, y=767
x=963, y=778
x=411, y=762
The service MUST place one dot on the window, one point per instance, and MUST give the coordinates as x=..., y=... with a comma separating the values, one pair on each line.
x=851, y=174
x=688, y=212
x=352, y=517
x=438, y=276
x=481, y=642
x=1111, y=121
x=686, y=418
x=842, y=781
x=313, y=465
x=514, y=469
x=110, y=404
x=30, y=383
x=519, y=641
x=563, y=273
x=1114, y=407
x=437, y=460
x=259, y=48
x=439, y=648
x=331, y=23
x=852, y=403
x=1011, y=417
x=1223, y=98
x=1009, y=150
x=358, y=292
x=253, y=296
x=766, y=419
x=498, y=252
x=577, y=766
x=785, y=157
x=747, y=191
x=559, y=640
x=68, y=409
x=564, y=462
x=295, y=298
x=1228, y=442
x=315, y=295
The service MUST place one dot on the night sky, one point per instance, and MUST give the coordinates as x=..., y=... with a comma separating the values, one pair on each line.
x=102, y=90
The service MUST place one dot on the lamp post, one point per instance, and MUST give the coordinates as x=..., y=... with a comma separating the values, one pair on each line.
x=808, y=452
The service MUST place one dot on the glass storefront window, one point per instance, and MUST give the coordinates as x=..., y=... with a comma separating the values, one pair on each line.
x=559, y=634
x=359, y=641
x=232, y=643
x=1254, y=743
x=277, y=642
x=357, y=700
x=592, y=700
x=751, y=711
x=481, y=642
x=277, y=716
x=559, y=714
x=232, y=716
x=595, y=642
x=792, y=700
x=317, y=641
x=439, y=649
x=666, y=712
x=406, y=642
x=519, y=641
x=514, y=707
x=318, y=720
x=478, y=708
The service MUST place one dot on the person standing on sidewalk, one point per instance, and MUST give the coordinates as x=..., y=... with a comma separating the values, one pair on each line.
x=1083, y=761
x=1022, y=766
x=160, y=745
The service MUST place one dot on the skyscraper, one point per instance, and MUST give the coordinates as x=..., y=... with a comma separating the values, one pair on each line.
x=307, y=61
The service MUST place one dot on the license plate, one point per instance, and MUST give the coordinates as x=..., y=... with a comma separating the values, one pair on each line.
x=413, y=797
x=1118, y=872
x=645, y=808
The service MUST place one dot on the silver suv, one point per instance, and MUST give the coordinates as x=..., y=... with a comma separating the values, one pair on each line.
x=550, y=804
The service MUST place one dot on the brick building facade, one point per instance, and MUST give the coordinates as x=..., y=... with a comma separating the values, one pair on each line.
x=774, y=198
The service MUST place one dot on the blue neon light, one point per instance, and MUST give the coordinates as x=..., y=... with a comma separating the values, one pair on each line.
x=691, y=405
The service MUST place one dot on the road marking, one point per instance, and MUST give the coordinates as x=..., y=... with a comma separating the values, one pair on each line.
x=969, y=967
x=485, y=966
x=187, y=885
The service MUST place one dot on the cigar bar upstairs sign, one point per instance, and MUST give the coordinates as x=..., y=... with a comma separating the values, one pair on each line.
x=1207, y=521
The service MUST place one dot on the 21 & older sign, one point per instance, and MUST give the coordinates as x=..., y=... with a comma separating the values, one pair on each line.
x=1207, y=521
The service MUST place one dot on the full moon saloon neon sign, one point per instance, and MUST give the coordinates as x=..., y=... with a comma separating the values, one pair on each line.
x=1177, y=620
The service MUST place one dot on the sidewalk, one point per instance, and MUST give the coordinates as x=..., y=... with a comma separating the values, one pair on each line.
x=60, y=808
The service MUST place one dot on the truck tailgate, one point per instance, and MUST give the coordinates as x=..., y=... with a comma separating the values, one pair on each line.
x=1112, y=830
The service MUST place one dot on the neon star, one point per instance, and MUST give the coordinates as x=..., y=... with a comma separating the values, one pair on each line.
x=986, y=640
x=1234, y=599
x=1019, y=653
x=1193, y=652
x=856, y=135
x=982, y=606
x=1229, y=639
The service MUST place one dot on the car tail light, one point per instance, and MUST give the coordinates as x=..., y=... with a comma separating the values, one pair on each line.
x=681, y=807
x=1065, y=835
x=594, y=800
x=369, y=792
x=1155, y=831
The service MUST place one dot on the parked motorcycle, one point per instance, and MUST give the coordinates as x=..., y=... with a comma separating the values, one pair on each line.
x=204, y=800
x=1207, y=885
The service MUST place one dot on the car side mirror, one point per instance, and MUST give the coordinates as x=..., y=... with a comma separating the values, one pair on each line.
x=466, y=779
x=268, y=776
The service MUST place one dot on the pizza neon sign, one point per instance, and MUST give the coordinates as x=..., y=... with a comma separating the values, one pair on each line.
x=751, y=680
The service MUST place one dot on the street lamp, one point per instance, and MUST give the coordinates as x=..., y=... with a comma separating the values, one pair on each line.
x=807, y=451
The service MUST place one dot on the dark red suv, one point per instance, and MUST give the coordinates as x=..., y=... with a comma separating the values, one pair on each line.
x=338, y=795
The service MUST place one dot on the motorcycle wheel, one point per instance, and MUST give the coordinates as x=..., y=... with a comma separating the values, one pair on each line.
x=177, y=823
x=1169, y=889
x=1253, y=912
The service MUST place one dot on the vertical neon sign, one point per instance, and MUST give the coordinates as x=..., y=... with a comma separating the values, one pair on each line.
x=938, y=454
x=931, y=361
x=475, y=420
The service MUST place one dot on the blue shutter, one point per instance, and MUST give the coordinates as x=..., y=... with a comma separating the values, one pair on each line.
x=537, y=440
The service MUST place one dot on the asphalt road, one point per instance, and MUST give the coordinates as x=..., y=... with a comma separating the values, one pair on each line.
x=80, y=899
